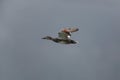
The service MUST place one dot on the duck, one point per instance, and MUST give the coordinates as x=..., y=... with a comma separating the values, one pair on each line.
x=58, y=40
x=63, y=36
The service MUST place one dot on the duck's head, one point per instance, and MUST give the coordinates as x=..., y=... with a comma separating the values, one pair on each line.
x=47, y=37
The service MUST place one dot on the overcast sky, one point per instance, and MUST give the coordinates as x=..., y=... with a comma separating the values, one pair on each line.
x=25, y=56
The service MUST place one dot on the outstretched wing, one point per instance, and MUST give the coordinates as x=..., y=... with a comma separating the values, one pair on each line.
x=65, y=33
x=70, y=30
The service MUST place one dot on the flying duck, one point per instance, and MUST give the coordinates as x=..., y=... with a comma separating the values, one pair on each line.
x=63, y=36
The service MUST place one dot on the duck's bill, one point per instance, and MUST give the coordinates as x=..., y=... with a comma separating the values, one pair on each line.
x=43, y=38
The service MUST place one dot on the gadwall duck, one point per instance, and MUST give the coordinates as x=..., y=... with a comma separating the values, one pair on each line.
x=63, y=36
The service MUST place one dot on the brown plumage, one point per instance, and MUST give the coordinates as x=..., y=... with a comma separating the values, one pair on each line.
x=69, y=30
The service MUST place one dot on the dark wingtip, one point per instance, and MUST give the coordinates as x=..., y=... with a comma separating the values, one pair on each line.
x=77, y=29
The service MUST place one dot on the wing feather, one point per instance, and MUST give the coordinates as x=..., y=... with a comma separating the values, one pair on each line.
x=70, y=30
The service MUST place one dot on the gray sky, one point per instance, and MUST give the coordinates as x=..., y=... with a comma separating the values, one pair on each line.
x=25, y=56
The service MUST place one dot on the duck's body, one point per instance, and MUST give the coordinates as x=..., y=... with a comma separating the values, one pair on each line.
x=63, y=36
x=62, y=41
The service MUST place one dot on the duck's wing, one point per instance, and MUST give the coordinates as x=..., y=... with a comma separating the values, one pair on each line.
x=64, y=35
x=69, y=30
